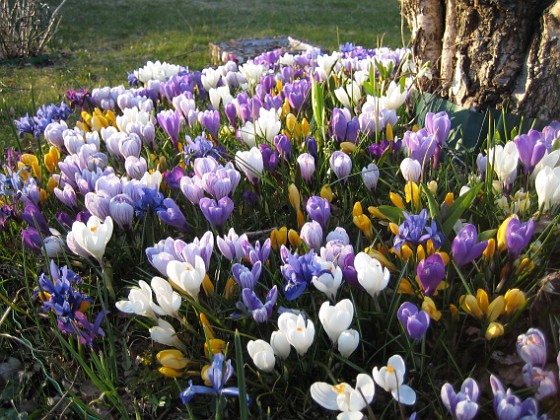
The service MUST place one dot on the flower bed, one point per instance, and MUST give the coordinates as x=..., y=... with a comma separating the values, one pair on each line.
x=284, y=243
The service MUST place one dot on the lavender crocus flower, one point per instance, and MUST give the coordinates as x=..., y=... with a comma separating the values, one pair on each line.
x=170, y=121
x=415, y=322
x=508, y=406
x=518, y=236
x=216, y=212
x=306, y=163
x=319, y=210
x=231, y=245
x=439, y=125
x=211, y=121
x=161, y=254
x=250, y=302
x=421, y=145
x=32, y=239
x=135, y=167
x=543, y=382
x=269, y=157
x=531, y=148
x=341, y=164
x=312, y=235
x=465, y=246
x=257, y=252
x=431, y=272
x=531, y=347
x=33, y=216
x=246, y=278
x=283, y=145
x=462, y=405
x=311, y=145
x=121, y=209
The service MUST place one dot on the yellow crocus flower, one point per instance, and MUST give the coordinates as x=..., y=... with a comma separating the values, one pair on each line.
x=494, y=330
x=208, y=330
x=291, y=122
x=411, y=193
x=305, y=127
x=207, y=285
x=470, y=305
x=405, y=287
x=347, y=147
x=172, y=358
x=357, y=209
x=294, y=197
x=389, y=132
x=279, y=237
x=216, y=345
x=429, y=306
x=496, y=308
x=490, y=249
x=51, y=159
x=300, y=218
x=326, y=193
x=432, y=186
x=420, y=254
x=30, y=161
x=231, y=284
x=515, y=300
x=502, y=246
x=374, y=211
x=294, y=239
x=364, y=224
x=396, y=200
x=449, y=199
x=406, y=252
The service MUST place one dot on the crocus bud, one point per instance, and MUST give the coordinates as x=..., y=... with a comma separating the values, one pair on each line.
x=411, y=169
x=531, y=347
x=494, y=330
x=431, y=272
x=348, y=342
x=312, y=235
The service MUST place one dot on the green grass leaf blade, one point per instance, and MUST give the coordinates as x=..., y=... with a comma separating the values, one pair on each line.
x=243, y=411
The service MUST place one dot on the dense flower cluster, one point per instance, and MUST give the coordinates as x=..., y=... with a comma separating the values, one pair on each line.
x=267, y=198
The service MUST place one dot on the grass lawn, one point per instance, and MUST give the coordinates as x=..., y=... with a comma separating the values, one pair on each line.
x=98, y=42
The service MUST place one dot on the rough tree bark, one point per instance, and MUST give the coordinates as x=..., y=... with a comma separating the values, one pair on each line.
x=490, y=53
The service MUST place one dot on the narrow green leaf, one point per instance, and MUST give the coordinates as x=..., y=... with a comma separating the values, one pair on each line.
x=432, y=204
x=243, y=411
x=394, y=214
x=458, y=208
x=318, y=106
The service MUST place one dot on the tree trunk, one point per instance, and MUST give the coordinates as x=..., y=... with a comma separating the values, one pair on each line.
x=490, y=53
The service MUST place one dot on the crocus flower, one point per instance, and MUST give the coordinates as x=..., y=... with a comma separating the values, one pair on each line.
x=218, y=375
x=507, y=406
x=431, y=272
x=312, y=235
x=280, y=344
x=139, y=301
x=250, y=302
x=283, y=145
x=262, y=354
x=531, y=148
x=319, y=210
x=251, y=163
x=246, y=278
x=306, y=164
x=531, y=347
x=415, y=322
x=93, y=236
x=372, y=276
x=168, y=301
x=231, y=245
x=340, y=164
x=420, y=145
x=504, y=161
x=465, y=246
x=164, y=333
x=173, y=216
x=518, y=236
x=391, y=378
x=547, y=185
x=411, y=170
x=439, y=125
x=543, y=382
x=462, y=405
x=342, y=397
x=299, y=331
x=336, y=319
x=187, y=277
x=216, y=212
x=370, y=176
x=347, y=342
x=328, y=279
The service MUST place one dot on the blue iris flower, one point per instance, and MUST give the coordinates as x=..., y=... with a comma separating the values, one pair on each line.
x=151, y=200
x=415, y=230
x=298, y=271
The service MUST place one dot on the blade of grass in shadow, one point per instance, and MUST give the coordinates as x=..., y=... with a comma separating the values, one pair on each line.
x=243, y=401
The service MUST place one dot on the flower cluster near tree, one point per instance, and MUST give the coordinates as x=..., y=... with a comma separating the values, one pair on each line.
x=240, y=190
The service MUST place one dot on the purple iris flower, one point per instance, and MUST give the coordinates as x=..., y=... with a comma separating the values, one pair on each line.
x=319, y=210
x=465, y=247
x=415, y=230
x=218, y=374
x=269, y=156
x=431, y=272
x=173, y=216
x=298, y=271
x=531, y=148
x=518, y=236
x=246, y=278
x=462, y=405
x=250, y=303
x=216, y=212
x=507, y=406
x=415, y=322
x=150, y=200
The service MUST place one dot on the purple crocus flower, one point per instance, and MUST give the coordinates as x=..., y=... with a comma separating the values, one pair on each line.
x=462, y=405
x=284, y=146
x=250, y=302
x=218, y=374
x=33, y=216
x=543, y=382
x=173, y=177
x=135, y=167
x=431, y=272
x=465, y=247
x=439, y=125
x=231, y=245
x=531, y=347
x=269, y=156
x=231, y=113
x=531, y=148
x=121, y=209
x=311, y=145
x=216, y=212
x=518, y=236
x=257, y=252
x=343, y=127
x=161, y=254
x=507, y=406
x=211, y=121
x=246, y=278
x=319, y=210
x=192, y=188
x=170, y=121
x=341, y=164
x=421, y=145
x=173, y=216
x=98, y=203
x=32, y=239
x=415, y=322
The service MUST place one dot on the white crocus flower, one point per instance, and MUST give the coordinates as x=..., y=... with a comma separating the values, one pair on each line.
x=394, y=97
x=220, y=94
x=268, y=124
x=504, y=160
x=348, y=341
x=252, y=72
x=329, y=281
x=93, y=236
x=371, y=274
x=132, y=116
x=152, y=180
x=349, y=94
x=168, y=301
x=157, y=71
x=299, y=332
x=411, y=170
x=337, y=318
x=210, y=78
x=325, y=64
x=547, y=185
x=549, y=159
x=280, y=344
x=246, y=134
x=342, y=397
x=251, y=163
x=391, y=377
x=139, y=301
x=164, y=333
x=262, y=354
x=187, y=277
